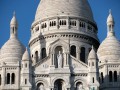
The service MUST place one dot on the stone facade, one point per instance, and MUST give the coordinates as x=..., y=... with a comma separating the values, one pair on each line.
x=64, y=51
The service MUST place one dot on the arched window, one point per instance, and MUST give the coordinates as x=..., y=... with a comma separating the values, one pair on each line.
x=25, y=81
x=82, y=54
x=43, y=53
x=115, y=76
x=79, y=86
x=0, y=79
x=40, y=86
x=13, y=78
x=8, y=78
x=36, y=56
x=73, y=51
x=110, y=76
x=102, y=79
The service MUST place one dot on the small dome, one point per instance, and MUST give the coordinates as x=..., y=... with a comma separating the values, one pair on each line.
x=110, y=19
x=12, y=51
x=51, y=8
x=14, y=20
x=109, y=50
x=92, y=54
x=26, y=55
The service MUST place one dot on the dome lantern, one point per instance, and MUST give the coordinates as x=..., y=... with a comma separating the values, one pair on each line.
x=110, y=24
x=13, y=26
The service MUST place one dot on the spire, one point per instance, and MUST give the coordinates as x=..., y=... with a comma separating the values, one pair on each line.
x=92, y=54
x=13, y=26
x=110, y=24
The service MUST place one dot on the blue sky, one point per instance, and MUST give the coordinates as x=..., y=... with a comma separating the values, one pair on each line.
x=25, y=13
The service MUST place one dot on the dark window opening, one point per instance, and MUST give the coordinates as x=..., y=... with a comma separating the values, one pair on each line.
x=73, y=51
x=0, y=79
x=26, y=65
x=93, y=80
x=43, y=53
x=102, y=78
x=13, y=78
x=25, y=81
x=110, y=76
x=92, y=63
x=8, y=78
x=115, y=76
x=82, y=54
x=36, y=56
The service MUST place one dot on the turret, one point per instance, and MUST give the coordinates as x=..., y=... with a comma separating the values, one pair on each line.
x=13, y=26
x=26, y=72
x=93, y=73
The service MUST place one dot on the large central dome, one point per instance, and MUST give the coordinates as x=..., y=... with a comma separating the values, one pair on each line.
x=77, y=8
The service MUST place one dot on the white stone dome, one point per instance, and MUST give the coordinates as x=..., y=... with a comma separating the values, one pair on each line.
x=109, y=50
x=77, y=8
x=12, y=51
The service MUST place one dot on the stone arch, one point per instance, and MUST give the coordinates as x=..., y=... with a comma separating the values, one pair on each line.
x=58, y=43
x=57, y=78
x=41, y=80
x=59, y=84
x=82, y=81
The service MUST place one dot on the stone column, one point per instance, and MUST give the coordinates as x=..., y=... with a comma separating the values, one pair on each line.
x=39, y=27
x=67, y=59
x=78, y=25
x=78, y=53
x=68, y=24
x=48, y=24
x=86, y=25
x=105, y=74
x=52, y=60
x=57, y=23
x=3, y=76
x=86, y=55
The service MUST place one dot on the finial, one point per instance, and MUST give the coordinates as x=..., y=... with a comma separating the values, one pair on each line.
x=110, y=11
x=14, y=14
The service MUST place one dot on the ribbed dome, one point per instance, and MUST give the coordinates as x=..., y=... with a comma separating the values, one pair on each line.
x=12, y=51
x=77, y=8
x=26, y=55
x=109, y=50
